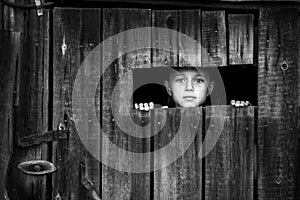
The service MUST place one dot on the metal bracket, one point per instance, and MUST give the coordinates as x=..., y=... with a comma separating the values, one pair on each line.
x=47, y=137
x=39, y=9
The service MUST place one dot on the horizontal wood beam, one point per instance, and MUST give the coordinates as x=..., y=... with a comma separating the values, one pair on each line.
x=234, y=4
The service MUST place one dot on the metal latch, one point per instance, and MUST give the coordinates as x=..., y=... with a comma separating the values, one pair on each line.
x=47, y=137
x=36, y=167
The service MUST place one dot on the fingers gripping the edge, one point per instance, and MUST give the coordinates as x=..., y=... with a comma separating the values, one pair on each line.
x=237, y=103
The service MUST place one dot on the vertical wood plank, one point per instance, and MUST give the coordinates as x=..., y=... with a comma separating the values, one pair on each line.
x=13, y=19
x=183, y=178
x=229, y=166
x=214, y=38
x=241, y=38
x=91, y=37
x=165, y=19
x=118, y=184
x=31, y=116
x=190, y=25
x=10, y=47
x=277, y=101
x=297, y=193
x=76, y=33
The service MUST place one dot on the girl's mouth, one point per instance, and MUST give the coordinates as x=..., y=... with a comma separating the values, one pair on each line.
x=189, y=98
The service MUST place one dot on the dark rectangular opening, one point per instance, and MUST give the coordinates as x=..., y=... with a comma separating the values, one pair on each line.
x=240, y=83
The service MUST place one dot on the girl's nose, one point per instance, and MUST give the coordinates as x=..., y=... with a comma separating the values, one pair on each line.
x=189, y=86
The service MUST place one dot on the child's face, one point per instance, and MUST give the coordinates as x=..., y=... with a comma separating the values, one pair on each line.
x=189, y=88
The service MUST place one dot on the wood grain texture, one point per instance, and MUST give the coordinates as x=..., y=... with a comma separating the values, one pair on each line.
x=183, y=178
x=10, y=49
x=241, y=38
x=297, y=193
x=214, y=38
x=229, y=167
x=277, y=102
x=298, y=60
x=31, y=114
x=190, y=25
x=77, y=32
x=167, y=19
x=118, y=184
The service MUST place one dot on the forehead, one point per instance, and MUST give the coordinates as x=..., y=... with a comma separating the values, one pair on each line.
x=189, y=72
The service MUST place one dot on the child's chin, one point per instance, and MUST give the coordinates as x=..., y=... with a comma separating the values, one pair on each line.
x=189, y=105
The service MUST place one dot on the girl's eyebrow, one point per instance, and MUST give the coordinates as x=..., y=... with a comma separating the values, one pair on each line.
x=178, y=75
x=200, y=75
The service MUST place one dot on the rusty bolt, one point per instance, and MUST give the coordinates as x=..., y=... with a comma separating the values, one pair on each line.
x=37, y=168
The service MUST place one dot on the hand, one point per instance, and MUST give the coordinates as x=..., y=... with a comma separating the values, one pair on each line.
x=144, y=106
x=240, y=103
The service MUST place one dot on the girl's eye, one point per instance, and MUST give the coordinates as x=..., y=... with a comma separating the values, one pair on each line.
x=181, y=80
x=198, y=81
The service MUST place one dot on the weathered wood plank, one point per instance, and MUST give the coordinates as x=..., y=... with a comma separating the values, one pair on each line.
x=214, y=38
x=297, y=192
x=10, y=47
x=31, y=116
x=277, y=101
x=167, y=19
x=183, y=178
x=229, y=166
x=241, y=38
x=190, y=25
x=118, y=184
x=77, y=32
